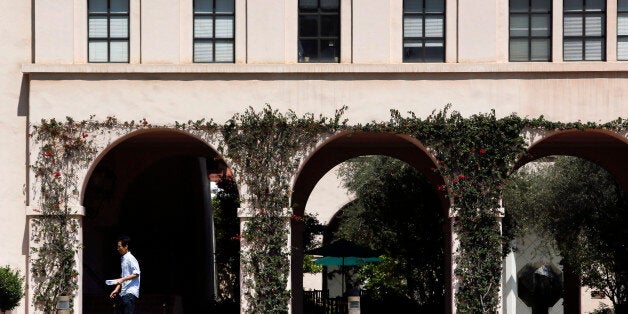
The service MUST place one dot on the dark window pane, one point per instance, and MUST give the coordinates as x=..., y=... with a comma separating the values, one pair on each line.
x=308, y=4
x=434, y=51
x=97, y=6
x=330, y=4
x=413, y=50
x=541, y=5
x=308, y=50
x=596, y=5
x=622, y=5
x=308, y=25
x=329, y=50
x=413, y=6
x=541, y=25
x=540, y=50
x=435, y=6
x=519, y=5
x=330, y=25
x=573, y=5
x=519, y=25
x=519, y=49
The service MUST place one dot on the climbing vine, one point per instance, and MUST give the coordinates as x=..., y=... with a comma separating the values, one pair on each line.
x=474, y=155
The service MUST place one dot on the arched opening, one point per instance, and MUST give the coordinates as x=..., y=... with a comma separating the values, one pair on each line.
x=341, y=148
x=155, y=186
x=596, y=161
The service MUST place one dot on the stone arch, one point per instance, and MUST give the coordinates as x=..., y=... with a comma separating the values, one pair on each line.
x=135, y=173
x=609, y=149
x=341, y=147
x=606, y=148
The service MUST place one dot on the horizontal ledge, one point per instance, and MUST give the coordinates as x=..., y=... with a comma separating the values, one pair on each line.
x=514, y=67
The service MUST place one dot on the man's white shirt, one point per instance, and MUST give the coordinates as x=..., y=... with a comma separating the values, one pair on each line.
x=130, y=266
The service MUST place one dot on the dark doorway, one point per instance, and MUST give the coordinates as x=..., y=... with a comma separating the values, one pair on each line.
x=152, y=189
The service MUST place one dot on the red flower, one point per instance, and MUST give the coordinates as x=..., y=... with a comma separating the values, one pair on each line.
x=461, y=177
x=84, y=135
x=57, y=174
x=48, y=154
x=263, y=212
x=296, y=217
x=475, y=218
x=236, y=237
x=482, y=151
x=441, y=187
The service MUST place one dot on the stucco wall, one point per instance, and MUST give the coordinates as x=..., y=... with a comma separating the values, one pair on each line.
x=15, y=30
x=165, y=98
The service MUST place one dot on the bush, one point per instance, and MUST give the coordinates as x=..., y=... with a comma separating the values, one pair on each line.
x=11, y=291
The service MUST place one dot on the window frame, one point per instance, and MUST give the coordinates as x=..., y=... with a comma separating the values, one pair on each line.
x=423, y=39
x=618, y=35
x=213, y=39
x=583, y=13
x=108, y=15
x=319, y=12
x=529, y=13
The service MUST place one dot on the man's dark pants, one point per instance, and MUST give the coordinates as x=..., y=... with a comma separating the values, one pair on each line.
x=128, y=304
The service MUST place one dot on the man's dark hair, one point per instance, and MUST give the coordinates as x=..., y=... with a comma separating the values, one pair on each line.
x=124, y=240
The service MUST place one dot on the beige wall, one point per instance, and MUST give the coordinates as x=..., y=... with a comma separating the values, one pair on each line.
x=15, y=29
x=165, y=98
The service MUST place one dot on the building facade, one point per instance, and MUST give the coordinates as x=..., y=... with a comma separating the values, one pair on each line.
x=180, y=60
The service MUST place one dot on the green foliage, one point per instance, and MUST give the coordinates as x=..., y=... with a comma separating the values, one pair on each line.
x=581, y=212
x=312, y=229
x=11, y=288
x=226, y=226
x=266, y=148
x=396, y=210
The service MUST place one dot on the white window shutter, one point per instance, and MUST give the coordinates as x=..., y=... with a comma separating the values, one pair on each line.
x=594, y=25
x=203, y=52
x=119, y=51
x=622, y=49
x=573, y=25
x=224, y=27
x=97, y=27
x=412, y=26
x=224, y=52
x=519, y=49
x=203, y=27
x=593, y=49
x=97, y=51
x=119, y=26
x=519, y=25
x=622, y=24
x=434, y=26
x=573, y=50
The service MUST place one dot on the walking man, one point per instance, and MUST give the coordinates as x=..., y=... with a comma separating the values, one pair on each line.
x=128, y=285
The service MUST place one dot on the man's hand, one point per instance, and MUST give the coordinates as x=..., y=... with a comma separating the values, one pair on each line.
x=114, y=293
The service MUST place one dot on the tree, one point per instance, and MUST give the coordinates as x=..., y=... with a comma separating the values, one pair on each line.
x=227, y=226
x=11, y=288
x=396, y=210
x=581, y=211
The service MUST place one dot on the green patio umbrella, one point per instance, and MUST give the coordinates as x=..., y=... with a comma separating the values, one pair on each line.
x=346, y=261
x=345, y=253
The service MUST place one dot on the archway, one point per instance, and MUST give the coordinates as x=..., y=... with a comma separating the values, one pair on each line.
x=153, y=186
x=343, y=147
x=604, y=148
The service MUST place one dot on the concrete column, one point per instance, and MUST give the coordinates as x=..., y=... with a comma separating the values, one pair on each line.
x=455, y=245
x=245, y=215
x=210, y=240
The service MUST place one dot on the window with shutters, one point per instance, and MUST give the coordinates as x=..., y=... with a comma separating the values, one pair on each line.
x=319, y=31
x=424, y=30
x=530, y=30
x=622, y=30
x=214, y=25
x=584, y=30
x=108, y=31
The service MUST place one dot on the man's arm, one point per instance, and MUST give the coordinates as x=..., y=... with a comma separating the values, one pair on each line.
x=129, y=277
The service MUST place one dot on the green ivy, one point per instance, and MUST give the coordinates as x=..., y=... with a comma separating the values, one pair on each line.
x=474, y=156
